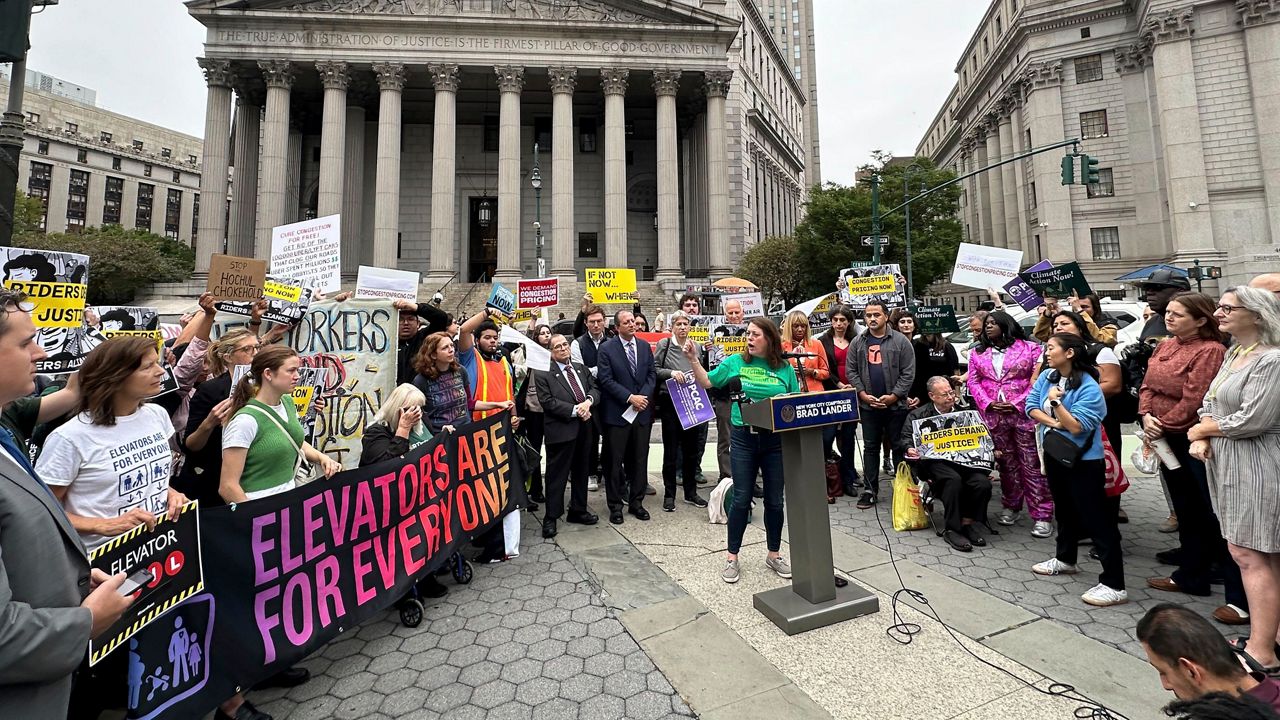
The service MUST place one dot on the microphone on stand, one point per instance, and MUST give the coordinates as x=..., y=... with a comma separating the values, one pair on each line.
x=797, y=355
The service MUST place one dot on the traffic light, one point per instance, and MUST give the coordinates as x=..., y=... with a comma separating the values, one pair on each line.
x=14, y=19
x=1068, y=170
x=1089, y=170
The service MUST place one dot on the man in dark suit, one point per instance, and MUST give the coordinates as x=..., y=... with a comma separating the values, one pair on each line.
x=626, y=375
x=50, y=602
x=567, y=393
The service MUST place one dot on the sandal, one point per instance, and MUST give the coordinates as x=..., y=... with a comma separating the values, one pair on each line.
x=1253, y=665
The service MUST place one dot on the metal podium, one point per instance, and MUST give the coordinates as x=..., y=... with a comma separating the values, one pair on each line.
x=812, y=600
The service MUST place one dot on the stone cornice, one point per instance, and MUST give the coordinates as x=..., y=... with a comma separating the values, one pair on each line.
x=277, y=73
x=391, y=75
x=613, y=81
x=1258, y=12
x=217, y=73
x=563, y=79
x=666, y=82
x=1132, y=58
x=1043, y=75
x=1170, y=26
x=333, y=74
x=716, y=82
x=444, y=76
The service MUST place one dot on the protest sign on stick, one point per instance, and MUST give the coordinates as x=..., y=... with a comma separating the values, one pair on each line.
x=1058, y=282
x=376, y=282
x=981, y=266
x=57, y=286
x=752, y=303
x=309, y=251
x=544, y=292
x=959, y=437
x=501, y=300
x=691, y=403
x=1022, y=293
x=287, y=299
x=125, y=321
x=611, y=286
x=236, y=278
x=935, y=319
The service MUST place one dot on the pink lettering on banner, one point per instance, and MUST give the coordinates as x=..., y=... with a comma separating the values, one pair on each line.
x=262, y=546
x=311, y=524
x=297, y=594
x=328, y=594
x=266, y=622
x=363, y=570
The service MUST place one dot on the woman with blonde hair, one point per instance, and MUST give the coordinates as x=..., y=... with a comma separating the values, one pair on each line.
x=796, y=338
x=397, y=428
x=264, y=442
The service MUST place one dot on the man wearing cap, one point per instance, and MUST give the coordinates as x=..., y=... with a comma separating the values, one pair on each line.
x=1158, y=289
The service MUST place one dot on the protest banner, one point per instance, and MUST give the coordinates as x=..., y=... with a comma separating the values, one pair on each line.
x=875, y=283
x=818, y=310
x=171, y=553
x=544, y=292
x=611, y=286
x=752, y=303
x=1058, y=282
x=236, y=278
x=376, y=282
x=520, y=315
x=287, y=299
x=285, y=575
x=981, y=266
x=1022, y=293
x=536, y=357
x=356, y=341
x=700, y=327
x=959, y=437
x=935, y=319
x=56, y=285
x=309, y=251
x=691, y=403
x=727, y=339
x=501, y=300
x=124, y=321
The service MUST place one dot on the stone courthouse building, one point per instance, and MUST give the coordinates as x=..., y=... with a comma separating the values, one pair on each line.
x=669, y=133
x=1178, y=99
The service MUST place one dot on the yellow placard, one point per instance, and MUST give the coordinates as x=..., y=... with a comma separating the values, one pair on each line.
x=54, y=304
x=302, y=396
x=732, y=345
x=611, y=286
x=280, y=291
x=153, y=334
x=956, y=439
x=700, y=334
x=825, y=305
x=519, y=315
x=872, y=285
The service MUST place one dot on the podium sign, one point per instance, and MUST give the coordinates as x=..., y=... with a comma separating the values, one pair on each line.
x=793, y=412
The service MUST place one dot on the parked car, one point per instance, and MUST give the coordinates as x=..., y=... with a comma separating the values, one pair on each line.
x=1126, y=313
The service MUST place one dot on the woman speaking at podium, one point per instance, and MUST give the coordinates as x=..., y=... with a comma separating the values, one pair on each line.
x=757, y=374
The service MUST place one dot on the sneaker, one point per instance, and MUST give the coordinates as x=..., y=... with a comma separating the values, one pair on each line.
x=1042, y=529
x=866, y=500
x=888, y=466
x=1007, y=517
x=1054, y=566
x=779, y=565
x=650, y=490
x=669, y=503
x=730, y=573
x=593, y=483
x=695, y=500
x=1102, y=596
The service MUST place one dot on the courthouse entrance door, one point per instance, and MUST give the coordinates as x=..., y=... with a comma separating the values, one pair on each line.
x=483, y=220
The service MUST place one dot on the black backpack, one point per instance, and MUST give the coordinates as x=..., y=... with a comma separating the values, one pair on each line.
x=1133, y=370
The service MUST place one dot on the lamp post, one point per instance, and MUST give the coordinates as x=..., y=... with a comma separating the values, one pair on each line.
x=875, y=219
x=535, y=179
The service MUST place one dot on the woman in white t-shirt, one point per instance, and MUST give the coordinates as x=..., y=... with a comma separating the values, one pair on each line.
x=111, y=464
x=264, y=441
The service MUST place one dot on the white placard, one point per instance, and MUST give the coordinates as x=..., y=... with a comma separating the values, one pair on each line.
x=376, y=282
x=752, y=303
x=309, y=251
x=536, y=357
x=982, y=267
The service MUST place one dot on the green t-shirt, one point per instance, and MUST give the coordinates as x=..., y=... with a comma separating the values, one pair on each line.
x=759, y=381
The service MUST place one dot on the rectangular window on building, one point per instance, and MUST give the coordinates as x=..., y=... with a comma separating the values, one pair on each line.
x=146, y=169
x=177, y=176
x=1088, y=68
x=1093, y=124
x=77, y=200
x=1106, y=243
x=1085, y=33
x=166, y=153
x=588, y=245
x=33, y=118
x=72, y=128
x=146, y=198
x=38, y=186
x=115, y=163
x=112, y=201
x=104, y=136
x=1031, y=197
x=82, y=155
x=1105, y=187
x=195, y=217
x=490, y=133
x=999, y=27
x=137, y=145
x=192, y=159
x=172, y=213
x=42, y=147
x=587, y=135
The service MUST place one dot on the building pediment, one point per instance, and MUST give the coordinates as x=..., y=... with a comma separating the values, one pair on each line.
x=630, y=12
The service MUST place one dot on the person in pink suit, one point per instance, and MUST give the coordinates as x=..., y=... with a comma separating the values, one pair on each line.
x=1001, y=373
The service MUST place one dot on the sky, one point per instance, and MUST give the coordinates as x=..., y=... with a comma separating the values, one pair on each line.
x=884, y=66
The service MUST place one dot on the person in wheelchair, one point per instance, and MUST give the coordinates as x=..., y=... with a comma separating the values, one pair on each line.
x=964, y=491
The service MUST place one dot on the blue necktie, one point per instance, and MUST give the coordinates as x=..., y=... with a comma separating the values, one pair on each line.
x=19, y=456
x=631, y=356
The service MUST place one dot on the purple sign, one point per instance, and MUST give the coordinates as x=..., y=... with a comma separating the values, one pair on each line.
x=1022, y=293
x=691, y=402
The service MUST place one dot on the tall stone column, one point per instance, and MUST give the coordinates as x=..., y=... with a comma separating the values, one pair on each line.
x=717, y=89
x=216, y=163
x=983, y=197
x=1261, y=21
x=1020, y=182
x=563, y=82
x=386, y=193
x=1012, y=232
x=333, y=140
x=293, y=171
x=1180, y=127
x=244, y=185
x=995, y=184
x=1150, y=226
x=273, y=181
x=1044, y=118
x=510, y=85
x=613, y=82
x=666, y=85
x=443, y=180
x=353, y=191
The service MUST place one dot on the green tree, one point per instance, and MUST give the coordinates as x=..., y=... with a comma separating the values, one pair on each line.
x=774, y=265
x=120, y=261
x=27, y=213
x=838, y=216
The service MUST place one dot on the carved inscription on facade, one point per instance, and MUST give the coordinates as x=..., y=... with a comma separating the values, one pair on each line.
x=304, y=39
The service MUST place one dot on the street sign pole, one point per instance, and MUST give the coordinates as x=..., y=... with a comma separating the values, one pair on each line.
x=875, y=219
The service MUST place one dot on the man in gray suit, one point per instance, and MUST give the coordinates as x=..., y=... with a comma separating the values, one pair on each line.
x=50, y=602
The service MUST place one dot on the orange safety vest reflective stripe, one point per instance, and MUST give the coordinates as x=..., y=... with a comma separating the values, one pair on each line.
x=488, y=393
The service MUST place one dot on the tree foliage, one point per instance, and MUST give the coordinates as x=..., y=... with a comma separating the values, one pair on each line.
x=120, y=261
x=27, y=212
x=837, y=217
x=774, y=265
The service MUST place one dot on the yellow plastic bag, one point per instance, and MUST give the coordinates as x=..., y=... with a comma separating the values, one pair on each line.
x=908, y=513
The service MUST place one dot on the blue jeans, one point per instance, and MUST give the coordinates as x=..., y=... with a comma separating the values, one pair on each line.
x=844, y=435
x=876, y=425
x=751, y=453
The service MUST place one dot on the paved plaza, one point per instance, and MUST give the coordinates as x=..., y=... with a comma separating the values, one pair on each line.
x=633, y=621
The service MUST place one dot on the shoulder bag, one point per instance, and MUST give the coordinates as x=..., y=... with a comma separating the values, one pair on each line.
x=301, y=468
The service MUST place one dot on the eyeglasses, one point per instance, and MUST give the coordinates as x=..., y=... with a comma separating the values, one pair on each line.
x=16, y=298
x=949, y=393
x=251, y=348
x=1228, y=309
